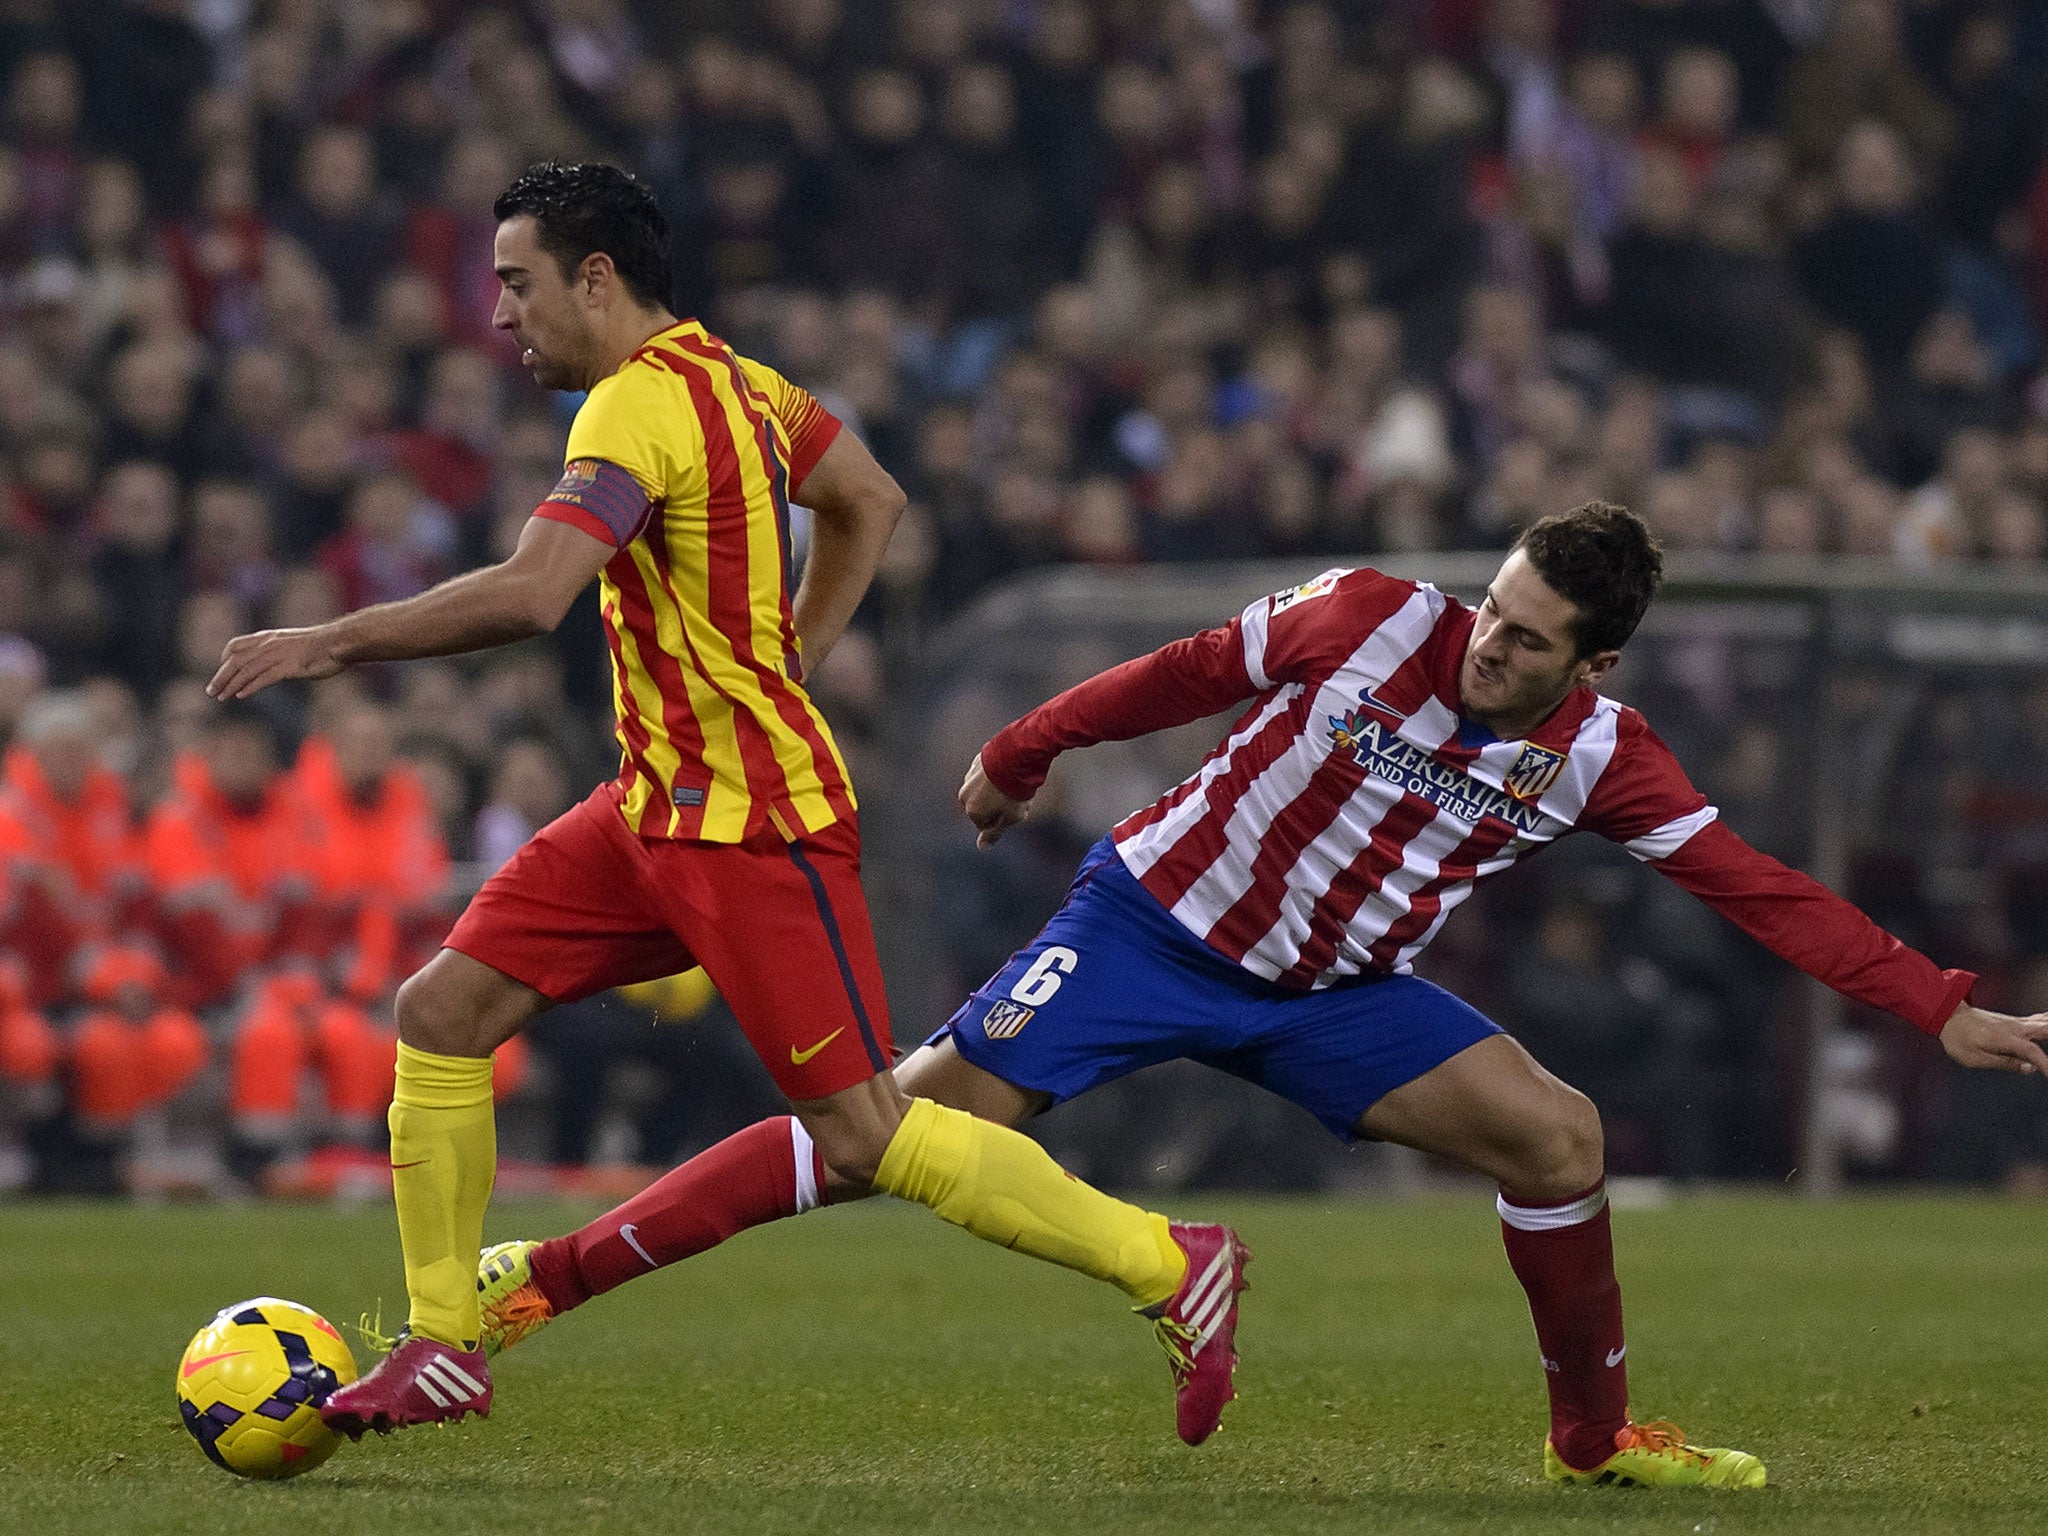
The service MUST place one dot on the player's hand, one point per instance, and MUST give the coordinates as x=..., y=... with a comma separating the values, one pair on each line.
x=253, y=662
x=991, y=811
x=1979, y=1038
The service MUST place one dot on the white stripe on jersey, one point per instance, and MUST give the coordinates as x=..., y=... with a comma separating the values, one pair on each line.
x=1421, y=862
x=1662, y=842
x=1316, y=870
x=1146, y=847
x=1278, y=786
x=1252, y=625
x=1431, y=725
x=1592, y=750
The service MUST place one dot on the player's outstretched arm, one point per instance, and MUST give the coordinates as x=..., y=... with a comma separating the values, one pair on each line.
x=522, y=596
x=1977, y=1037
x=1804, y=922
x=992, y=812
x=1175, y=685
x=856, y=503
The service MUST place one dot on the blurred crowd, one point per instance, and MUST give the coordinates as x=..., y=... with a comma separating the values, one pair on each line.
x=1115, y=282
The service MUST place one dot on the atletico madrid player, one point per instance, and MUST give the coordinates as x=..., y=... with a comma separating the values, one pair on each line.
x=1263, y=917
x=728, y=839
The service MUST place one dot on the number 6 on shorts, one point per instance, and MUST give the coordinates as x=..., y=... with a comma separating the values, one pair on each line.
x=1036, y=987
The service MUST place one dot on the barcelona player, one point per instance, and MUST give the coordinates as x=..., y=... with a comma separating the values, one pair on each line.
x=1264, y=916
x=728, y=839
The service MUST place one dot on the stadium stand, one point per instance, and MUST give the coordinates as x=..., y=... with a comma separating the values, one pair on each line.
x=1115, y=284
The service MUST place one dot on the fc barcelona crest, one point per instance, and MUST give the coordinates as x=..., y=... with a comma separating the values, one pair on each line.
x=1534, y=772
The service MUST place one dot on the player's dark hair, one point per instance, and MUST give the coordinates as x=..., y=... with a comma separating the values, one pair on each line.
x=581, y=209
x=1601, y=559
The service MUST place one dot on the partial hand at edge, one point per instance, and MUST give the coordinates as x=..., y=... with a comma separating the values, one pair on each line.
x=1977, y=1037
x=251, y=663
x=992, y=812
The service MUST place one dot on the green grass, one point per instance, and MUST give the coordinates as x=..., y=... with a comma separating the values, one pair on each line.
x=869, y=1370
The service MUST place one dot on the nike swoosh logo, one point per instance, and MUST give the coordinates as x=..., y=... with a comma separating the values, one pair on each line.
x=205, y=1360
x=413, y=1164
x=1614, y=1355
x=633, y=1243
x=798, y=1058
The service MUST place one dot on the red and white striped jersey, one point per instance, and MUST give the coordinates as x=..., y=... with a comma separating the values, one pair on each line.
x=1340, y=823
x=1352, y=808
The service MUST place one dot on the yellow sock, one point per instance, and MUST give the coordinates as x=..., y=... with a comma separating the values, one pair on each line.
x=444, y=1155
x=1004, y=1188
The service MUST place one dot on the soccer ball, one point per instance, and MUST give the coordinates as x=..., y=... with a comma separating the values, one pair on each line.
x=251, y=1384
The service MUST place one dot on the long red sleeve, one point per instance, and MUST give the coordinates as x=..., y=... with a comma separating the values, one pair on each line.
x=1800, y=919
x=1188, y=680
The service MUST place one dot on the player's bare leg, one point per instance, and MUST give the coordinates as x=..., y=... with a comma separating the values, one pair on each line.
x=1037, y=1209
x=1493, y=1108
x=451, y=1016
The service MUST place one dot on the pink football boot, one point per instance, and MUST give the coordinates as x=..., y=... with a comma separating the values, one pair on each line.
x=422, y=1381
x=1197, y=1327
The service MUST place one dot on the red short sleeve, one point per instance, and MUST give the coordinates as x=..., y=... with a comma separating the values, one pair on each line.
x=811, y=431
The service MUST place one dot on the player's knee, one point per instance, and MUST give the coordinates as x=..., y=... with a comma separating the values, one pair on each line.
x=852, y=1150
x=852, y=1132
x=433, y=1016
x=1565, y=1151
x=851, y=1170
x=1578, y=1149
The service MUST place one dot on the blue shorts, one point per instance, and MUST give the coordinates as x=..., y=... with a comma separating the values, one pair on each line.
x=1114, y=983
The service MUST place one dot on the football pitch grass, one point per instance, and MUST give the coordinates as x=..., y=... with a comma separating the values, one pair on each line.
x=869, y=1370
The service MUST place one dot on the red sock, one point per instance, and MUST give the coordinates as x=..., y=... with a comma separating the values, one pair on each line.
x=763, y=1173
x=1563, y=1253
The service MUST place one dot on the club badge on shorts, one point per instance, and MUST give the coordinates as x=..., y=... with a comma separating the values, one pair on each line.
x=1005, y=1019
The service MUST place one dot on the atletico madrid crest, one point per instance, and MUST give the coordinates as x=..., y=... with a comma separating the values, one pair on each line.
x=1534, y=772
x=1005, y=1019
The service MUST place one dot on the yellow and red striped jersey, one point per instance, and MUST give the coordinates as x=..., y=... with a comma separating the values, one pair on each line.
x=683, y=459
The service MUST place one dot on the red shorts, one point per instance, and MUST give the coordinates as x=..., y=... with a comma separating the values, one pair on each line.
x=780, y=927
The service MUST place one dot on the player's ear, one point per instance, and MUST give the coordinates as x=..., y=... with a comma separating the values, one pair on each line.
x=596, y=276
x=1593, y=670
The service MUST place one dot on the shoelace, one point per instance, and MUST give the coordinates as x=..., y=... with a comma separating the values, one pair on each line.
x=1661, y=1437
x=371, y=1331
x=518, y=1314
x=1179, y=1341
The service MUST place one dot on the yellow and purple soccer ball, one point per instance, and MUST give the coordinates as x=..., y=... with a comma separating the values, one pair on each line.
x=251, y=1384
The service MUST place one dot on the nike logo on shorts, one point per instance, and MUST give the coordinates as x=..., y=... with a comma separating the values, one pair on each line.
x=797, y=1058
x=1614, y=1355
